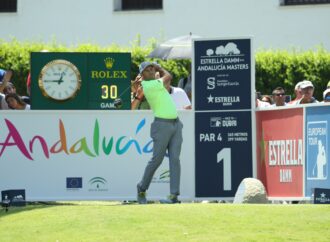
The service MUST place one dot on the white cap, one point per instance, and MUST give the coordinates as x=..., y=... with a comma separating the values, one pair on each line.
x=297, y=86
x=326, y=92
x=305, y=84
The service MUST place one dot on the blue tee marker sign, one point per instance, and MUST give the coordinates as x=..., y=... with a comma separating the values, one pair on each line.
x=223, y=120
x=223, y=152
x=222, y=74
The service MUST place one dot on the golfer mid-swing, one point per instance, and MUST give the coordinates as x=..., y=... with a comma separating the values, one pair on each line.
x=166, y=130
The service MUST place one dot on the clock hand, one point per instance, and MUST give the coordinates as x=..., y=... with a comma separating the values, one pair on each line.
x=50, y=80
x=61, y=79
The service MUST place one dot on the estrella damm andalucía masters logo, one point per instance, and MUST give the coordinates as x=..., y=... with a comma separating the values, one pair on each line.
x=98, y=184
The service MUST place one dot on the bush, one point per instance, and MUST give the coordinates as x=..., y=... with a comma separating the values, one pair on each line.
x=285, y=69
x=273, y=68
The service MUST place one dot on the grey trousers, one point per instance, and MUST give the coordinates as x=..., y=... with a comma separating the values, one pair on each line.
x=166, y=135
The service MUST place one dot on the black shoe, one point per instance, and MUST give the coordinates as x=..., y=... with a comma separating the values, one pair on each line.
x=141, y=196
x=171, y=199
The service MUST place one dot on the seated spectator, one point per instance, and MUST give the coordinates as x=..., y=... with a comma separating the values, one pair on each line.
x=307, y=91
x=5, y=80
x=298, y=95
x=267, y=99
x=10, y=88
x=15, y=102
x=326, y=95
x=279, y=97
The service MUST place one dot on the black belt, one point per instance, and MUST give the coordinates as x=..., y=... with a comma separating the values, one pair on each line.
x=167, y=120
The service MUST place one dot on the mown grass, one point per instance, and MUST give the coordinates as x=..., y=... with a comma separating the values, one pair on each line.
x=155, y=222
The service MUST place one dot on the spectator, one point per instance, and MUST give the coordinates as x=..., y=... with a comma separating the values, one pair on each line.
x=259, y=103
x=326, y=95
x=2, y=74
x=6, y=79
x=185, y=83
x=15, y=102
x=267, y=99
x=179, y=97
x=298, y=95
x=10, y=88
x=279, y=97
x=307, y=91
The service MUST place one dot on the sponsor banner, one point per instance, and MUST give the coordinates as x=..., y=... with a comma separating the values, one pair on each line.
x=223, y=76
x=321, y=196
x=280, y=151
x=223, y=146
x=317, y=148
x=80, y=81
x=72, y=155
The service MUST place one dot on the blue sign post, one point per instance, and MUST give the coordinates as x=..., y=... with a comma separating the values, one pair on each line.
x=223, y=74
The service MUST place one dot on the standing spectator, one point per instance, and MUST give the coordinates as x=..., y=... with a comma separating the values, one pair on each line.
x=267, y=99
x=259, y=103
x=307, y=91
x=179, y=97
x=2, y=74
x=15, y=102
x=166, y=130
x=326, y=95
x=298, y=95
x=185, y=83
x=279, y=97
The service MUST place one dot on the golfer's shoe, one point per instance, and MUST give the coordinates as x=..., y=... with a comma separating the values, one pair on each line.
x=171, y=199
x=141, y=196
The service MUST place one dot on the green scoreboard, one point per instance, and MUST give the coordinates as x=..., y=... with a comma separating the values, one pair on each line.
x=85, y=81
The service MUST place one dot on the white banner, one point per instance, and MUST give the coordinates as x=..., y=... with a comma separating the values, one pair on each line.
x=86, y=155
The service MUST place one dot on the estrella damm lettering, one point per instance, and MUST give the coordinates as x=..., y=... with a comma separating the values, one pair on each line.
x=108, y=74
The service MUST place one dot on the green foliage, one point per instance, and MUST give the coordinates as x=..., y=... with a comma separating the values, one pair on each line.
x=273, y=68
x=285, y=69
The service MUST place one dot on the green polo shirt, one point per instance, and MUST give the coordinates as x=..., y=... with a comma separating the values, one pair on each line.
x=159, y=99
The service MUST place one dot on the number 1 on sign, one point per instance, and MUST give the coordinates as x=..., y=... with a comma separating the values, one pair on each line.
x=225, y=155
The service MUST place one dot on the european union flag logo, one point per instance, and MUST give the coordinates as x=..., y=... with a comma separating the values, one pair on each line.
x=74, y=182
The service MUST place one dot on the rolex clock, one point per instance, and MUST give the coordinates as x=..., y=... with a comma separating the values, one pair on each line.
x=59, y=80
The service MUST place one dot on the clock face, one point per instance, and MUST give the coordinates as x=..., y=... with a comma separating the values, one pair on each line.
x=59, y=80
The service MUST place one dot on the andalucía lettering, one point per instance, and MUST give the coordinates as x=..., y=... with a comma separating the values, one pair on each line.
x=285, y=152
x=105, y=144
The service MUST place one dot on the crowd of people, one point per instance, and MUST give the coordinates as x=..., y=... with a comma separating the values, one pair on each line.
x=304, y=94
x=9, y=98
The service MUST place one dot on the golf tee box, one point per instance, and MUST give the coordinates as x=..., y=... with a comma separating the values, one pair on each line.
x=16, y=197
